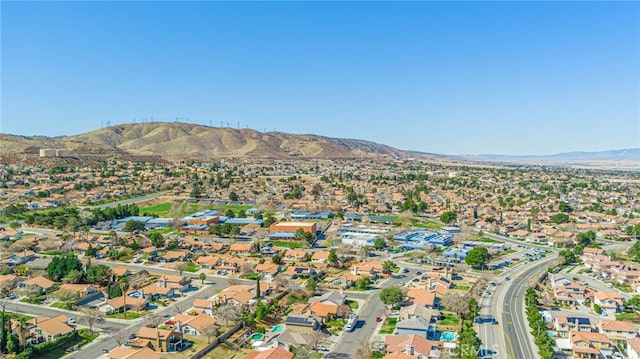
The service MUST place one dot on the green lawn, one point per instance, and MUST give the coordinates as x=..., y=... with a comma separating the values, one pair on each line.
x=17, y=316
x=287, y=244
x=63, y=305
x=58, y=351
x=158, y=209
x=352, y=304
x=233, y=207
x=623, y=288
x=192, y=267
x=488, y=240
x=130, y=315
x=425, y=223
x=388, y=326
x=462, y=287
x=449, y=320
x=174, y=209
x=623, y=316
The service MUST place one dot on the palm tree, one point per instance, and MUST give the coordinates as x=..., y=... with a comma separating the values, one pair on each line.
x=22, y=328
x=124, y=287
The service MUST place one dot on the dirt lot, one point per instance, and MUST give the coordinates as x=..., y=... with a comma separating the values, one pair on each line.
x=224, y=352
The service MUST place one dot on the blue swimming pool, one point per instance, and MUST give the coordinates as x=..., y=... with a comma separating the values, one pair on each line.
x=256, y=336
x=448, y=336
x=278, y=328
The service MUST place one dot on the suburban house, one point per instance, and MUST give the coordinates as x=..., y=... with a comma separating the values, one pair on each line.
x=134, y=353
x=49, y=329
x=633, y=348
x=421, y=297
x=273, y=353
x=268, y=270
x=193, y=324
x=208, y=262
x=175, y=256
x=242, y=249
x=40, y=282
x=617, y=331
x=294, y=255
x=81, y=289
x=414, y=345
x=117, y=304
x=121, y=271
x=20, y=257
x=610, y=302
x=163, y=340
x=176, y=282
x=416, y=325
x=588, y=344
x=154, y=291
x=321, y=257
x=565, y=324
x=204, y=305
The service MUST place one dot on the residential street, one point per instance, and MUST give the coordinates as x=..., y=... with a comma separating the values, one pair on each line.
x=348, y=343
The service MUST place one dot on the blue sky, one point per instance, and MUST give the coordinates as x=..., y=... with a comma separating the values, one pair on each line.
x=443, y=77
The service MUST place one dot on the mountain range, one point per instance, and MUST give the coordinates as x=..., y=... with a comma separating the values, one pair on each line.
x=175, y=140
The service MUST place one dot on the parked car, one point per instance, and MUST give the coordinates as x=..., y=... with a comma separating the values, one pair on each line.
x=378, y=319
x=71, y=321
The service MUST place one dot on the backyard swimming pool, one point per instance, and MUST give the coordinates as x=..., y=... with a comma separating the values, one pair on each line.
x=449, y=336
x=278, y=328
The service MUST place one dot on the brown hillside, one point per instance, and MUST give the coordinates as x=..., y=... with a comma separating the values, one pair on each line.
x=180, y=140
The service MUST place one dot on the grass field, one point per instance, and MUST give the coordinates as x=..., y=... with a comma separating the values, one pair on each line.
x=388, y=326
x=287, y=244
x=130, y=315
x=59, y=351
x=169, y=210
x=449, y=320
x=623, y=316
x=488, y=240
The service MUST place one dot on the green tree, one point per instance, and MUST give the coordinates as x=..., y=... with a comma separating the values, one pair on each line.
x=73, y=276
x=477, y=257
x=448, y=217
x=233, y=196
x=133, y=225
x=202, y=277
x=560, y=218
x=333, y=257
x=60, y=266
x=311, y=284
x=379, y=243
x=391, y=296
x=157, y=239
x=564, y=207
x=363, y=283
x=124, y=287
x=389, y=265
x=568, y=256
x=99, y=274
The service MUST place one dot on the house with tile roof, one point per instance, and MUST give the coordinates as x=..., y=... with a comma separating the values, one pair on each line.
x=564, y=324
x=163, y=340
x=618, y=331
x=273, y=353
x=413, y=344
x=588, y=344
x=40, y=282
x=610, y=302
x=133, y=353
x=633, y=348
x=49, y=329
x=193, y=324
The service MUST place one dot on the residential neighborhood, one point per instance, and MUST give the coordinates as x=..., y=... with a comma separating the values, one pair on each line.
x=279, y=258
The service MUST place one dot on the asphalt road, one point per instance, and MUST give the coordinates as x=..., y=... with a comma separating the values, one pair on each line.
x=349, y=342
x=95, y=349
x=127, y=201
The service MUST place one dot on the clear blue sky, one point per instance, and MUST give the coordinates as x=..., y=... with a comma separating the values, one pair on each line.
x=443, y=77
